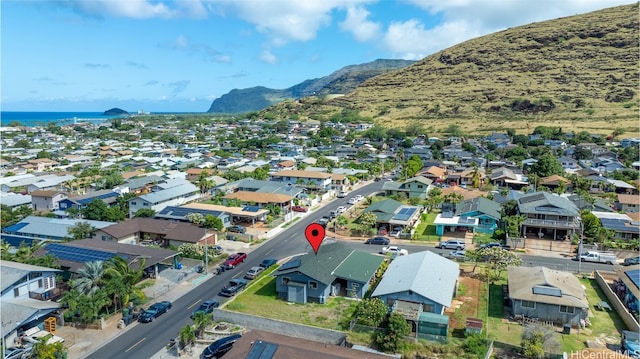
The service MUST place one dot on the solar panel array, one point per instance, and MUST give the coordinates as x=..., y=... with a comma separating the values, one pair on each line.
x=634, y=275
x=290, y=265
x=251, y=208
x=618, y=225
x=404, y=213
x=555, y=292
x=77, y=254
x=182, y=211
x=262, y=350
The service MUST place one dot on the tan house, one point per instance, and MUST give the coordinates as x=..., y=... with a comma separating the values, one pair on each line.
x=628, y=203
x=162, y=232
x=434, y=173
x=41, y=164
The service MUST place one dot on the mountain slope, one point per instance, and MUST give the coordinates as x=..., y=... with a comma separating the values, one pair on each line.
x=583, y=66
x=339, y=82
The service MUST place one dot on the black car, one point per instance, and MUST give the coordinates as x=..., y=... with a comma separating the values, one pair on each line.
x=631, y=261
x=233, y=287
x=220, y=347
x=378, y=240
x=268, y=262
x=206, y=307
x=154, y=311
x=237, y=229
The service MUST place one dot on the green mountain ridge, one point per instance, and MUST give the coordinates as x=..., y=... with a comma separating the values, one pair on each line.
x=578, y=67
x=341, y=81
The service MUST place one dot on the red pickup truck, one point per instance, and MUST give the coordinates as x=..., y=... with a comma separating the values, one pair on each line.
x=234, y=259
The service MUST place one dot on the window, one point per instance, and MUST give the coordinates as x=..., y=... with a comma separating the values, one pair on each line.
x=16, y=292
x=40, y=283
x=313, y=285
x=285, y=280
x=427, y=308
x=528, y=304
x=134, y=203
x=567, y=309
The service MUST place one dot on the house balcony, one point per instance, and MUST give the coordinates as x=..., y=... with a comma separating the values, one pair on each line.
x=549, y=223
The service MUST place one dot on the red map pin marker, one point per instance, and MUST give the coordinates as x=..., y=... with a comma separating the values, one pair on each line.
x=315, y=236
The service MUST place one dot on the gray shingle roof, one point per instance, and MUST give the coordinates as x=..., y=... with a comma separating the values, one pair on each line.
x=547, y=203
x=425, y=273
x=522, y=280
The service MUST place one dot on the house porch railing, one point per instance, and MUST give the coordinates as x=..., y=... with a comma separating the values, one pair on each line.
x=548, y=223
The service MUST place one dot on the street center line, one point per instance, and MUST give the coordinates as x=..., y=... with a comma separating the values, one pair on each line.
x=133, y=346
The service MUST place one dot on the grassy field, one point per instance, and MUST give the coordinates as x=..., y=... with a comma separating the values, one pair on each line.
x=260, y=299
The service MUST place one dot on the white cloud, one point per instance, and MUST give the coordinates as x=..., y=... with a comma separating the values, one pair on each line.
x=181, y=42
x=268, y=57
x=137, y=9
x=356, y=22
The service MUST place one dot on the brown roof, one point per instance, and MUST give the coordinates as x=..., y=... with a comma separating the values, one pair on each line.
x=466, y=193
x=290, y=347
x=338, y=176
x=127, y=175
x=436, y=171
x=44, y=193
x=302, y=174
x=185, y=232
x=259, y=197
x=287, y=163
x=195, y=171
x=629, y=198
x=553, y=179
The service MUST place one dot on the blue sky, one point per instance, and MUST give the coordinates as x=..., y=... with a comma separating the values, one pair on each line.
x=178, y=56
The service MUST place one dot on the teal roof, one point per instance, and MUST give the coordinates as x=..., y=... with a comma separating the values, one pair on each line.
x=358, y=266
x=433, y=318
x=385, y=206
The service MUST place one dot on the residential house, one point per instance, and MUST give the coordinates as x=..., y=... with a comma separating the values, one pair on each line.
x=45, y=200
x=307, y=179
x=392, y=214
x=424, y=152
x=269, y=345
x=140, y=185
x=158, y=231
x=35, y=228
x=627, y=203
x=569, y=164
x=499, y=139
x=627, y=288
x=73, y=256
x=336, y=270
x=420, y=286
x=180, y=192
x=485, y=210
x=249, y=214
x=414, y=187
x=25, y=296
x=549, y=216
x=555, y=182
x=507, y=177
x=607, y=165
x=109, y=197
x=548, y=295
x=50, y=183
x=176, y=213
x=622, y=186
x=435, y=174
x=41, y=165
x=623, y=225
x=15, y=200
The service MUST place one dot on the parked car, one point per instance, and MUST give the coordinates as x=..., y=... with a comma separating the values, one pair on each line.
x=14, y=353
x=342, y=194
x=395, y=232
x=220, y=347
x=378, y=240
x=359, y=197
x=451, y=244
x=458, y=254
x=253, y=272
x=237, y=229
x=323, y=221
x=233, y=287
x=394, y=251
x=154, y=311
x=352, y=200
x=299, y=209
x=266, y=263
x=234, y=259
x=489, y=245
x=206, y=307
x=341, y=209
x=631, y=261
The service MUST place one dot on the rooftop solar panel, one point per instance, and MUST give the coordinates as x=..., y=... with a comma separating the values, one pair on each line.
x=618, y=225
x=251, y=209
x=551, y=291
x=290, y=265
x=467, y=220
x=76, y=254
x=404, y=213
x=634, y=275
x=262, y=350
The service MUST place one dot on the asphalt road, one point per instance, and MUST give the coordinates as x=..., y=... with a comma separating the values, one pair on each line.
x=146, y=339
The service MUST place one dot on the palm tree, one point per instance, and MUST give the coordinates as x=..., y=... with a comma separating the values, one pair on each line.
x=475, y=176
x=91, y=277
x=201, y=320
x=4, y=251
x=122, y=280
x=186, y=336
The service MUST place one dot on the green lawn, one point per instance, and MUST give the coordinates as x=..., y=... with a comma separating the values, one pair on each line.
x=260, y=299
x=426, y=230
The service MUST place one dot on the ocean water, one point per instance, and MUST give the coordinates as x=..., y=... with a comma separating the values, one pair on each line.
x=32, y=119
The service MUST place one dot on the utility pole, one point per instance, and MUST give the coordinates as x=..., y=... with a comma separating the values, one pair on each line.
x=580, y=246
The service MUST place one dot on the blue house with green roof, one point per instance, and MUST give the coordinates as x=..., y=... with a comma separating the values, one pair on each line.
x=485, y=210
x=336, y=270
